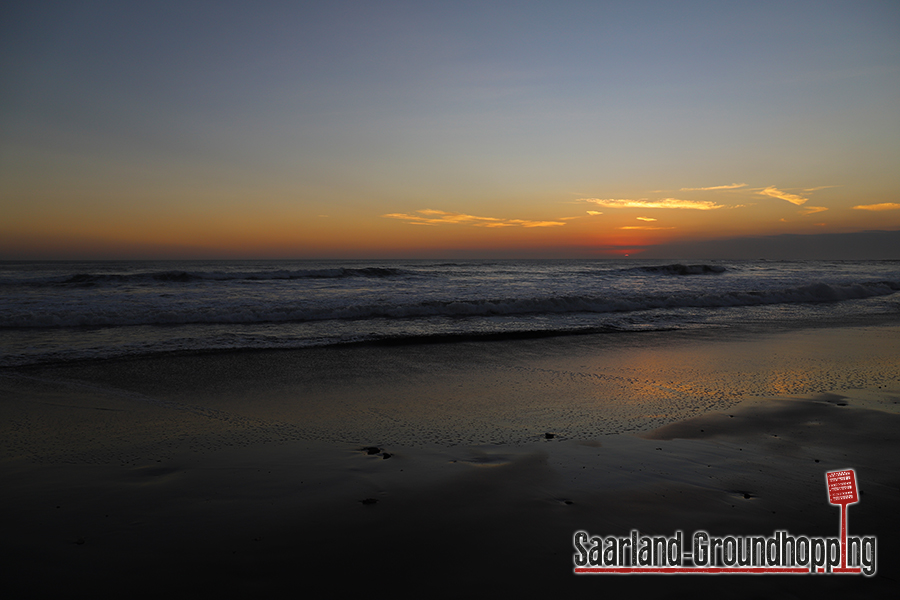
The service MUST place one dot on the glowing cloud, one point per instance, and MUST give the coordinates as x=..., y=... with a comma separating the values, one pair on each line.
x=733, y=186
x=644, y=227
x=811, y=210
x=539, y=223
x=440, y=217
x=885, y=206
x=645, y=219
x=664, y=203
x=776, y=193
x=594, y=213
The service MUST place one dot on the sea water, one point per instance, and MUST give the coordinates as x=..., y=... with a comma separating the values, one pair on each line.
x=66, y=311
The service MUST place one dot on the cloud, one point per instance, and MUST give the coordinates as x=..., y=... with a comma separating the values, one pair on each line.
x=440, y=217
x=885, y=206
x=523, y=223
x=594, y=213
x=664, y=203
x=644, y=227
x=776, y=193
x=541, y=223
x=645, y=219
x=811, y=210
x=821, y=187
x=715, y=187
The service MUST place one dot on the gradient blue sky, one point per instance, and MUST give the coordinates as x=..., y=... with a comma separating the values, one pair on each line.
x=288, y=129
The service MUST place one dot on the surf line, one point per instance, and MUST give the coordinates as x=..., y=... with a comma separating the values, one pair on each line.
x=780, y=553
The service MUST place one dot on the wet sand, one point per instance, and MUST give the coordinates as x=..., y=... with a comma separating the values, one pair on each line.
x=428, y=468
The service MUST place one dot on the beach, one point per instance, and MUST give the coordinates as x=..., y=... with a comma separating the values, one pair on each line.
x=460, y=465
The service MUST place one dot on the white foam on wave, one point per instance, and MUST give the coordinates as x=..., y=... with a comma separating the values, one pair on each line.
x=105, y=312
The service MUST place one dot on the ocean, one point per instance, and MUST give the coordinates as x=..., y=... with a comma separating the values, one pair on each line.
x=52, y=312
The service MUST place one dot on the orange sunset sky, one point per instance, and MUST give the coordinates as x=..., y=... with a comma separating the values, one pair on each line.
x=441, y=129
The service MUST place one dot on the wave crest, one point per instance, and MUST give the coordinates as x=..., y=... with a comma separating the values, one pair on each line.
x=243, y=312
x=680, y=269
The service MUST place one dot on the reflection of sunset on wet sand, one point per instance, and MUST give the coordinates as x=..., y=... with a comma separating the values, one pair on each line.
x=223, y=482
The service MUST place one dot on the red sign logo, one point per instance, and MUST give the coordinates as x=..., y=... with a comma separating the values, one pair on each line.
x=842, y=487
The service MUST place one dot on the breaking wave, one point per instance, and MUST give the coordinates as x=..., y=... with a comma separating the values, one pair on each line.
x=679, y=269
x=97, y=279
x=244, y=311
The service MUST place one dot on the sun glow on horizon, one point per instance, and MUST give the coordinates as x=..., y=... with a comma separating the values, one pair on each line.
x=433, y=129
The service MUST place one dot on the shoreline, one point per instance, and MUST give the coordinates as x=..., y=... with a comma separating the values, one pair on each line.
x=725, y=331
x=213, y=477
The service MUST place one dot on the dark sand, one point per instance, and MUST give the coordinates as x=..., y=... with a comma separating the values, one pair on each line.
x=245, y=473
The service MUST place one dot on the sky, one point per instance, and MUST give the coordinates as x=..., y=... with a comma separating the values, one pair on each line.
x=443, y=129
